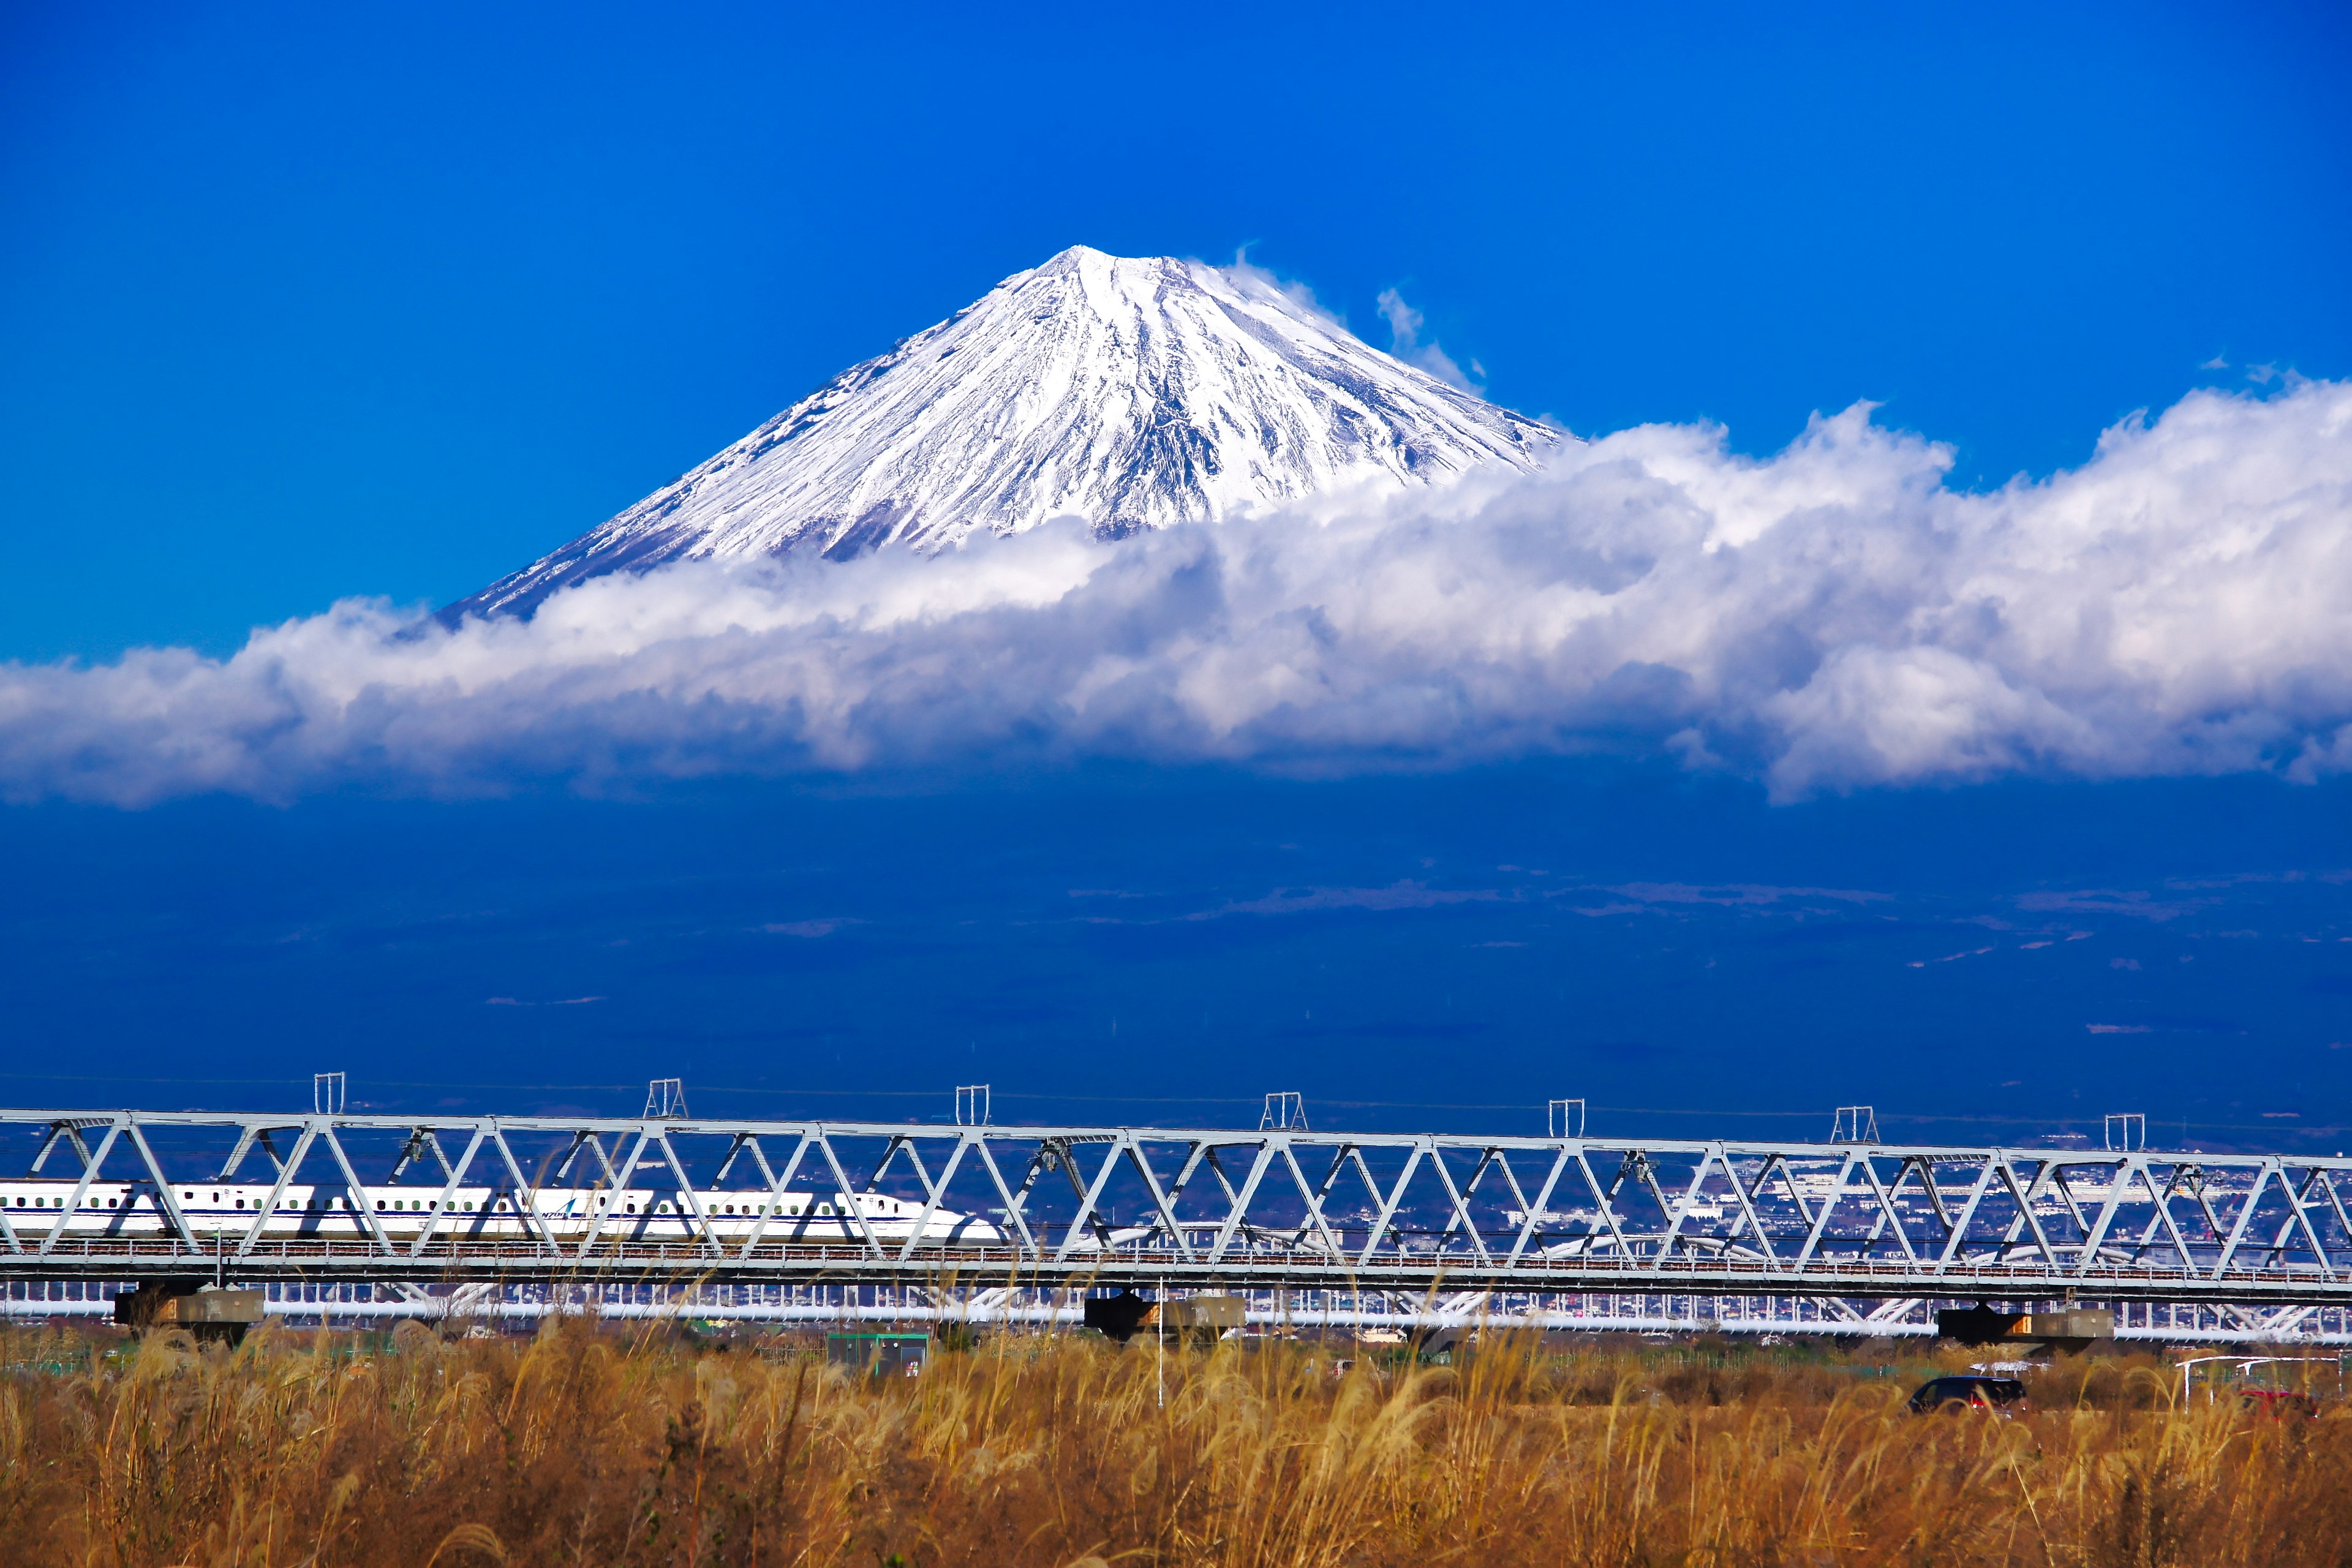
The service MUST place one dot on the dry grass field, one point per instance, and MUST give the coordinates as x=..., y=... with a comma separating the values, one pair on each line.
x=595, y=1446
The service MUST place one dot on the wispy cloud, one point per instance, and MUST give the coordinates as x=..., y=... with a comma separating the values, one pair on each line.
x=1404, y=343
x=1396, y=896
x=1830, y=618
x=1732, y=893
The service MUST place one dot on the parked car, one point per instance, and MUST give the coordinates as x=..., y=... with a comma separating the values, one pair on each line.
x=2004, y=1395
x=2279, y=1404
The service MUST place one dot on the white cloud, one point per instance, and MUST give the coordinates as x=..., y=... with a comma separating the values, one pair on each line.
x=1830, y=617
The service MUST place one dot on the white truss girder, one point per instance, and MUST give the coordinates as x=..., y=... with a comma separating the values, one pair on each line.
x=1282, y=1206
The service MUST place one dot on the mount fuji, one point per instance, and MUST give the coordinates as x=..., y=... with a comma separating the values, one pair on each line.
x=1131, y=393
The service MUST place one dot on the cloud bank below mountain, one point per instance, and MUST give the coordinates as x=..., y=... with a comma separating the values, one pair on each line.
x=1830, y=618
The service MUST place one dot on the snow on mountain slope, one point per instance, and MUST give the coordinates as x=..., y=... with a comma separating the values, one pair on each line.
x=1129, y=393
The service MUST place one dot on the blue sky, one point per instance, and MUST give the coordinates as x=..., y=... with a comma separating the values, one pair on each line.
x=296, y=304
x=300, y=304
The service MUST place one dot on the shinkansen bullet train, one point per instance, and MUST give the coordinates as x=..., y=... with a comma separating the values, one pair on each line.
x=633, y=1214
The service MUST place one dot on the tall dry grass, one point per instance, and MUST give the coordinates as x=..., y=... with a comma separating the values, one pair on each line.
x=584, y=1446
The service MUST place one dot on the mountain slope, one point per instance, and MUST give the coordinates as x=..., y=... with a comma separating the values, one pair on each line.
x=1131, y=392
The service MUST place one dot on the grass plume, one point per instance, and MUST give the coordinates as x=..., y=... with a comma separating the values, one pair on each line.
x=588, y=1447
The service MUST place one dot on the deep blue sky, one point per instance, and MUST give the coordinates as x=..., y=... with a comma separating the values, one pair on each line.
x=299, y=301
x=1450, y=951
x=302, y=303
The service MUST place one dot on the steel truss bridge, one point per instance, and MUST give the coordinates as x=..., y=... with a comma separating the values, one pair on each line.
x=1394, y=1219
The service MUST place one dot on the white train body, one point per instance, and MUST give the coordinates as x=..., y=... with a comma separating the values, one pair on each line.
x=37, y=1207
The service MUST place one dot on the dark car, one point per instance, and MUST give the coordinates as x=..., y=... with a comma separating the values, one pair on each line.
x=2005, y=1394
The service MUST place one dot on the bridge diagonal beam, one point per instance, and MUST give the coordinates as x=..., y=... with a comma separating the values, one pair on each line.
x=1458, y=1207
x=1821, y=1221
x=778, y=1187
x=444, y=1202
x=523, y=1196
x=2119, y=1175
x=1029, y=1250
x=90, y=1164
x=848, y=1193
x=599, y=1213
x=2264, y=1176
x=2026, y=1218
x=2335, y=1208
x=931, y=1192
x=66, y=1131
x=1313, y=1218
x=1748, y=1224
x=2273, y=1252
x=1531, y=1214
x=1090, y=1196
x=286, y=1169
x=689, y=1201
x=1779, y=1162
x=167, y=1201
x=2212, y=1217
x=1604, y=1204
x=1163, y=1204
x=1671, y=1210
x=1239, y=1211
x=1888, y=1218
x=2173, y=1186
x=1375, y=1195
x=1313, y=1199
x=1196, y=1154
x=237, y=1151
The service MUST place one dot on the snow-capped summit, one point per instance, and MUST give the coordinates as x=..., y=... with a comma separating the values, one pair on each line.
x=1131, y=392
